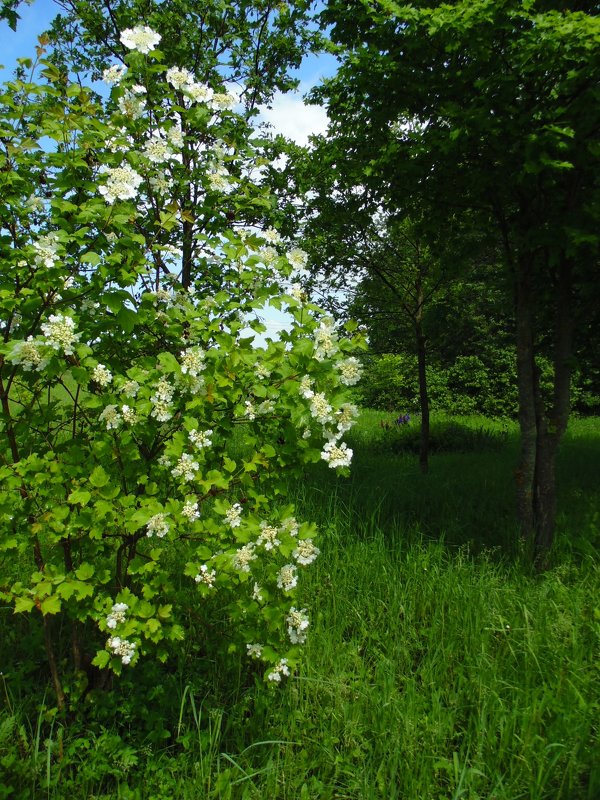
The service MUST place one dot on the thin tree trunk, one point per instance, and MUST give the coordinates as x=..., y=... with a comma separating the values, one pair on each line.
x=551, y=430
x=423, y=400
x=526, y=381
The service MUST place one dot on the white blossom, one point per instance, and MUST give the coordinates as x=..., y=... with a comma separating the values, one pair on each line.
x=46, y=248
x=190, y=510
x=114, y=74
x=243, y=557
x=254, y=650
x=268, y=536
x=257, y=593
x=157, y=526
x=205, y=576
x=122, y=183
x=233, y=515
x=117, y=615
x=28, y=353
x=185, y=468
x=350, y=371
x=131, y=104
x=161, y=399
x=157, y=149
x=297, y=258
x=298, y=623
x=111, y=417
x=305, y=388
x=287, y=578
x=129, y=415
x=121, y=647
x=200, y=439
x=192, y=361
x=179, y=77
x=130, y=388
x=199, y=92
x=325, y=340
x=306, y=552
x=271, y=235
x=141, y=38
x=289, y=525
x=280, y=669
x=101, y=375
x=337, y=455
x=321, y=409
x=60, y=333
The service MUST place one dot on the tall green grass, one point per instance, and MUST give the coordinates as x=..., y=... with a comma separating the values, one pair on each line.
x=438, y=665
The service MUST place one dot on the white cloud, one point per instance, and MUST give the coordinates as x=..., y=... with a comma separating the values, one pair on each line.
x=292, y=118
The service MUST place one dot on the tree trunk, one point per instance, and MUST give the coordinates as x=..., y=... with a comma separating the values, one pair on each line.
x=423, y=400
x=541, y=429
x=526, y=381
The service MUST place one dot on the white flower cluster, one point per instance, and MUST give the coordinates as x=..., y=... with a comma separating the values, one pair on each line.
x=157, y=526
x=220, y=179
x=192, y=361
x=141, y=38
x=122, y=183
x=297, y=258
x=206, y=577
x=185, y=468
x=157, y=148
x=233, y=515
x=132, y=103
x=321, y=409
x=287, y=579
x=326, y=340
x=298, y=623
x=117, y=615
x=101, y=375
x=60, y=333
x=244, y=557
x=200, y=439
x=190, y=510
x=336, y=455
x=29, y=353
x=268, y=536
x=280, y=669
x=111, y=417
x=161, y=401
x=306, y=552
x=254, y=650
x=114, y=75
x=121, y=647
x=290, y=525
x=350, y=371
x=46, y=250
x=182, y=80
x=130, y=388
x=129, y=415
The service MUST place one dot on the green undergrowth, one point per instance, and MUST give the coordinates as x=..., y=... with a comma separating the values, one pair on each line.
x=438, y=664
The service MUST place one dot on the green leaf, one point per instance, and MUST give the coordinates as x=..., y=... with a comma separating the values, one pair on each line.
x=85, y=571
x=101, y=659
x=90, y=258
x=51, y=605
x=23, y=604
x=98, y=477
x=79, y=497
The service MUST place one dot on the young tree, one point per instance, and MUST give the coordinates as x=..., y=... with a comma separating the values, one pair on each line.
x=492, y=108
x=145, y=439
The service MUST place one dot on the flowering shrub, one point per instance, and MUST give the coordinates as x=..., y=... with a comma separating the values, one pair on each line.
x=142, y=428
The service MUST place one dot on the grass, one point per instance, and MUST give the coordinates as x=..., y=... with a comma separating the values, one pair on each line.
x=438, y=666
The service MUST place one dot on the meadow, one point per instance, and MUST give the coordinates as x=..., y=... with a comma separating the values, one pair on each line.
x=439, y=665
